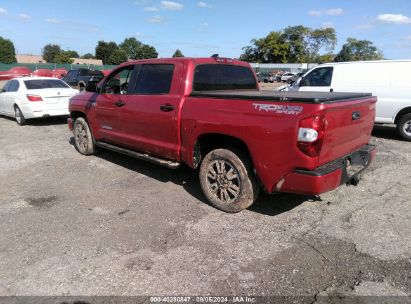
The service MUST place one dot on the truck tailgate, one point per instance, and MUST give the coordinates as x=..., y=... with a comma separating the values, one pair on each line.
x=348, y=127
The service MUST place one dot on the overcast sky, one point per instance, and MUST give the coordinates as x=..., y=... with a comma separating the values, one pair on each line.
x=199, y=28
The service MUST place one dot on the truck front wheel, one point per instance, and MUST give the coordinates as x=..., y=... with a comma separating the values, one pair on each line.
x=404, y=126
x=227, y=180
x=83, y=139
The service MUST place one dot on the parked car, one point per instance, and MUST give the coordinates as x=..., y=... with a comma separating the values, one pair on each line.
x=265, y=77
x=56, y=73
x=42, y=73
x=106, y=72
x=287, y=76
x=59, y=73
x=208, y=113
x=79, y=78
x=14, y=73
x=393, y=90
x=294, y=78
x=35, y=97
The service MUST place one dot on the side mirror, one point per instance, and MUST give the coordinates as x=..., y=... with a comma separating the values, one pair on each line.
x=92, y=87
x=3, y=90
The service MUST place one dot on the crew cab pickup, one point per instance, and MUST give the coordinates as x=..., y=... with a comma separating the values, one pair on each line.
x=79, y=78
x=209, y=114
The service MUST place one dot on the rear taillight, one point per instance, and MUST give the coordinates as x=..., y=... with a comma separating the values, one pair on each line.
x=311, y=135
x=34, y=97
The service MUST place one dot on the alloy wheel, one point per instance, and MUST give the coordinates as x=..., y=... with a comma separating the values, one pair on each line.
x=223, y=181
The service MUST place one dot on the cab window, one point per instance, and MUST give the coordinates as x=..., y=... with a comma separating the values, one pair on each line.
x=71, y=76
x=320, y=77
x=154, y=79
x=117, y=83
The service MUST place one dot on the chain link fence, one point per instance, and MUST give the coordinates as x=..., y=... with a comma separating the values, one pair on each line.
x=53, y=66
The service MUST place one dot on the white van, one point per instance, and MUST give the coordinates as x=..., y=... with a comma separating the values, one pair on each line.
x=389, y=80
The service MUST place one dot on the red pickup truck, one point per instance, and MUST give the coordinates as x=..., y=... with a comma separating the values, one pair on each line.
x=209, y=114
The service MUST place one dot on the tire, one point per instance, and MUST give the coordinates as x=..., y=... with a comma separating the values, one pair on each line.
x=265, y=80
x=82, y=88
x=229, y=192
x=83, y=139
x=404, y=126
x=20, y=119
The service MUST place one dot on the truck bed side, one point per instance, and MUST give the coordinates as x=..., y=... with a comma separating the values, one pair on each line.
x=269, y=128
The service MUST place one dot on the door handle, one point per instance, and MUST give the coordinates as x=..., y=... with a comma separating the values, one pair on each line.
x=119, y=103
x=167, y=107
x=331, y=90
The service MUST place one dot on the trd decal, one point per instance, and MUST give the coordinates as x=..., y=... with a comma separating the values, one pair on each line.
x=279, y=109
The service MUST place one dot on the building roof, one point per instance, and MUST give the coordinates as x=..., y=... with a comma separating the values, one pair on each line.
x=24, y=58
x=87, y=61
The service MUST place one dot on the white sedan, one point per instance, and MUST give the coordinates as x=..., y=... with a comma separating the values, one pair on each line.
x=35, y=97
x=287, y=76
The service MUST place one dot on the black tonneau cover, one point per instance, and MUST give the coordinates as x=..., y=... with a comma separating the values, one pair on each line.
x=312, y=97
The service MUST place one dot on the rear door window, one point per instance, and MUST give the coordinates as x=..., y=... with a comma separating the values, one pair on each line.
x=6, y=86
x=154, y=79
x=84, y=72
x=14, y=86
x=96, y=73
x=320, y=77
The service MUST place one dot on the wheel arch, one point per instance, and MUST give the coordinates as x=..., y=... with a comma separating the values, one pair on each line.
x=82, y=85
x=210, y=141
x=76, y=114
x=404, y=111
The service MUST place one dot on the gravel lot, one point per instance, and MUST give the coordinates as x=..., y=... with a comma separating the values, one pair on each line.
x=113, y=225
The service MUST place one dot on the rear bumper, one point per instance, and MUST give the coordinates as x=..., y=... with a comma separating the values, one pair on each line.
x=46, y=113
x=39, y=109
x=329, y=176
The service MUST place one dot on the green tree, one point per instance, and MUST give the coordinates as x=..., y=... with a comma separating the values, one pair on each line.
x=178, y=53
x=88, y=56
x=274, y=47
x=146, y=52
x=296, y=38
x=268, y=49
x=7, y=51
x=72, y=54
x=50, y=51
x=64, y=57
x=117, y=57
x=104, y=50
x=131, y=46
x=293, y=44
x=326, y=58
x=320, y=39
x=355, y=50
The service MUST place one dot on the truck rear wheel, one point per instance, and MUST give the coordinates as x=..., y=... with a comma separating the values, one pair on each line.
x=227, y=180
x=83, y=139
x=404, y=126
